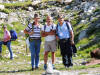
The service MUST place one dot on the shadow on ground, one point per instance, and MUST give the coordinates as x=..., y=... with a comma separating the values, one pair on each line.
x=14, y=71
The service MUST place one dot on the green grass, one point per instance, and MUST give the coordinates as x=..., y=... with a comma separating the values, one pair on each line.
x=18, y=4
x=48, y=0
x=18, y=26
x=11, y=7
x=86, y=52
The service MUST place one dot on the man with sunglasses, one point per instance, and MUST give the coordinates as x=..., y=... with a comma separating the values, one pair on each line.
x=65, y=36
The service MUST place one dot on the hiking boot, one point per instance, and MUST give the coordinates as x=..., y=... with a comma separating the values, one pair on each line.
x=66, y=67
x=71, y=64
x=32, y=69
x=11, y=58
x=53, y=66
x=45, y=66
x=36, y=68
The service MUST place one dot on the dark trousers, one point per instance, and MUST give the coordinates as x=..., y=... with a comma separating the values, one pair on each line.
x=66, y=52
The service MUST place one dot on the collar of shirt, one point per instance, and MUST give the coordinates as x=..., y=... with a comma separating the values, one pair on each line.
x=62, y=24
x=49, y=25
x=37, y=26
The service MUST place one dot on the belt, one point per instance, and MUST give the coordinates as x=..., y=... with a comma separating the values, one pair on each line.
x=66, y=39
x=34, y=38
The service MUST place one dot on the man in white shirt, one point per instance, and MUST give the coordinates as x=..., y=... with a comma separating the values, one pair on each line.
x=48, y=31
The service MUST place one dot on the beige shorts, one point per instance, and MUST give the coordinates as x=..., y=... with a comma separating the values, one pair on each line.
x=50, y=46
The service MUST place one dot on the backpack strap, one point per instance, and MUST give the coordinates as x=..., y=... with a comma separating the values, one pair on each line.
x=57, y=30
x=32, y=27
x=67, y=26
x=44, y=27
x=52, y=27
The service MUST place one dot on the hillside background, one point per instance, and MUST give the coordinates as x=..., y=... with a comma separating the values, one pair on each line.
x=84, y=17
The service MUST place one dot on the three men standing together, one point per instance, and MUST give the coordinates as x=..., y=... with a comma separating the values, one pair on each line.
x=62, y=32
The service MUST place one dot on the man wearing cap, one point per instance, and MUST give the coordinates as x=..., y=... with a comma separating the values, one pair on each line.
x=35, y=41
x=6, y=41
x=65, y=36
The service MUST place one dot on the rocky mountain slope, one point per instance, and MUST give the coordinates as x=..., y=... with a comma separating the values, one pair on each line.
x=85, y=19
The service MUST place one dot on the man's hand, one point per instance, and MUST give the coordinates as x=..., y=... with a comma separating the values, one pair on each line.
x=44, y=34
x=30, y=33
x=74, y=54
x=51, y=32
x=57, y=38
x=72, y=42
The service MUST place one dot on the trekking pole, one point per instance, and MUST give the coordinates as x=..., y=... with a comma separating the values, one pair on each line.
x=26, y=49
x=28, y=21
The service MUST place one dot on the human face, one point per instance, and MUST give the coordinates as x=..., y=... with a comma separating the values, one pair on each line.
x=4, y=28
x=36, y=19
x=49, y=20
x=61, y=20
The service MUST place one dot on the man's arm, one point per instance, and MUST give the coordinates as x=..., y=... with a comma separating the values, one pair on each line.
x=26, y=32
x=43, y=33
x=52, y=32
x=72, y=37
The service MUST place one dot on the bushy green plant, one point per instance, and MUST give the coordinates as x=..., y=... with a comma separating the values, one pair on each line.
x=94, y=20
x=74, y=22
x=7, y=11
x=18, y=4
x=18, y=26
x=97, y=10
x=1, y=32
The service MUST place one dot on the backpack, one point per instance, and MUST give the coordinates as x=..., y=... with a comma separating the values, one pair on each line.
x=74, y=49
x=66, y=26
x=13, y=35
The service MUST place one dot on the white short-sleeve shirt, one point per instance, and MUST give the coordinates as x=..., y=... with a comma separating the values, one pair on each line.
x=47, y=29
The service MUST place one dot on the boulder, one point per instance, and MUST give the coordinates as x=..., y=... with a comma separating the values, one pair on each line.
x=21, y=33
x=3, y=15
x=1, y=1
x=12, y=18
x=2, y=7
x=30, y=8
x=95, y=53
x=82, y=34
x=51, y=2
x=67, y=7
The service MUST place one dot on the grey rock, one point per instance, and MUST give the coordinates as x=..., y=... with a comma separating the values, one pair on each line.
x=68, y=7
x=3, y=15
x=2, y=7
x=55, y=72
x=51, y=2
x=21, y=33
x=12, y=18
x=82, y=34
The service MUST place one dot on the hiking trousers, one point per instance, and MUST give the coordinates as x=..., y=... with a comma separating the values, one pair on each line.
x=8, y=44
x=35, y=50
x=66, y=52
x=1, y=46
